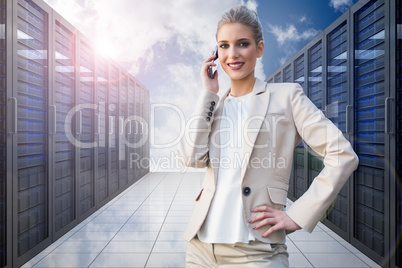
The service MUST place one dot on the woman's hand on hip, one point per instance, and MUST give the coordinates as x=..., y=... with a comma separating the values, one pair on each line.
x=209, y=83
x=277, y=218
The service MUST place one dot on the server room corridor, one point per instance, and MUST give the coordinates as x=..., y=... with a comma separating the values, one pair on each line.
x=143, y=226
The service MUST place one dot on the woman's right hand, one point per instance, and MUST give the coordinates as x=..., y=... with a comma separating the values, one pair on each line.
x=208, y=83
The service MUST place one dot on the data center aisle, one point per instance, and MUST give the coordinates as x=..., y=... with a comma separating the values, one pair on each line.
x=142, y=227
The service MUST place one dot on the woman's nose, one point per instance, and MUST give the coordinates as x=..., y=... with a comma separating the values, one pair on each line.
x=233, y=53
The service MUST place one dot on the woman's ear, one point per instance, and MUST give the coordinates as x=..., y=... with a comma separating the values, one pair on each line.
x=260, y=49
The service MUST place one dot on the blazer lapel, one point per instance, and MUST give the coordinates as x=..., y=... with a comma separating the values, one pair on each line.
x=258, y=108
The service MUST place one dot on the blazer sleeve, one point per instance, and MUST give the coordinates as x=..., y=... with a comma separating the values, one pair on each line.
x=194, y=146
x=339, y=160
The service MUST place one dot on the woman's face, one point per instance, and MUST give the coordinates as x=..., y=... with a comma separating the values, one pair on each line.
x=238, y=51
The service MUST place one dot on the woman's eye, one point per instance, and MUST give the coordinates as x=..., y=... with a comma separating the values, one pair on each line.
x=224, y=46
x=245, y=44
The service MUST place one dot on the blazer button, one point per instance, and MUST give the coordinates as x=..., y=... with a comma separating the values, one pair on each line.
x=213, y=103
x=208, y=119
x=209, y=113
x=211, y=108
x=246, y=191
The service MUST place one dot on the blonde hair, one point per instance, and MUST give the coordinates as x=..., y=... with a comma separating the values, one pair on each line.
x=245, y=16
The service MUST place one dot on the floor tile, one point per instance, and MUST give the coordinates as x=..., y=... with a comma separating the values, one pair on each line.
x=129, y=246
x=335, y=260
x=173, y=227
x=118, y=260
x=101, y=227
x=145, y=219
x=60, y=260
x=164, y=260
x=170, y=236
x=81, y=247
x=104, y=220
x=320, y=247
x=148, y=227
x=92, y=236
x=169, y=247
x=298, y=260
x=305, y=236
x=136, y=236
x=171, y=219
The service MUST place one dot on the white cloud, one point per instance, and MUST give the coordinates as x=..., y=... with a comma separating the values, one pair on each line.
x=287, y=38
x=341, y=5
x=291, y=34
x=303, y=19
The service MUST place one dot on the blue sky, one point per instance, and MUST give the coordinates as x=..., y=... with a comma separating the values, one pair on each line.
x=164, y=42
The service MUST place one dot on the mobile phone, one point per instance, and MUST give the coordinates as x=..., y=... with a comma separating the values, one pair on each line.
x=211, y=73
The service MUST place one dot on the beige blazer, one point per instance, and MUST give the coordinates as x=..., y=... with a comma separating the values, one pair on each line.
x=280, y=116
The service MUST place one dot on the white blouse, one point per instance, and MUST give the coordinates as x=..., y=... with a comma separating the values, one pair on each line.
x=225, y=221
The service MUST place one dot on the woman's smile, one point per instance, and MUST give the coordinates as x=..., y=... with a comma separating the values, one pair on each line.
x=235, y=65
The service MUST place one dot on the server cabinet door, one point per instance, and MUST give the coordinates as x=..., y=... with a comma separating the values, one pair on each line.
x=315, y=94
x=64, y=180
x=123, y=157
x=86, y=118
x=30, y=160
x=370, y=191
x=5, y=181
x=113, y=122
x=102, y=88
x=131, y=130
x=398, y=149
x=337, y=101
x=298, y=182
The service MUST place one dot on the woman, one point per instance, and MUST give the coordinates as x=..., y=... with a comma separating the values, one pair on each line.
x=246, y=140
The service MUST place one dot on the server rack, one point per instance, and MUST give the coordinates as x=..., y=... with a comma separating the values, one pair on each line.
x=337, y=104
x=298, y=184
x=123, y=152
x=102, y=90
x=30, y=125
x=131, y=130
x=4, y=186
x=113, y=108
x=278, y=77
x=396, y=28
x=361, y=78
x=137, y=133
x=315, y=93
x=287, y=74
x=63, y=101
x=54, y=128
x=370, y=93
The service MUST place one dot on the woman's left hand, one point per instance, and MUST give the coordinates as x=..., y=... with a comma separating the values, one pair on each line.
x=277, y=218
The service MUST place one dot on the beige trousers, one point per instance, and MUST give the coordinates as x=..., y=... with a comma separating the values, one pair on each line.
x=253, y=254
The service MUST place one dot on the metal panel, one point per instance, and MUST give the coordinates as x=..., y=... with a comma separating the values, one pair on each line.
x=287, y=74
x=64, y=101
x=337, y=100
x=369, y=185
x=278, y=77
x=3, y=139
x=123, y=157
x=131, y=130
x=31, y=161
x=113, y=108
x=102, y=115
x=86, y=129
x=398, y=85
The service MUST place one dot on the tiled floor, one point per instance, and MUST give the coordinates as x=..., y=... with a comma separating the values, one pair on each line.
x=143, y=226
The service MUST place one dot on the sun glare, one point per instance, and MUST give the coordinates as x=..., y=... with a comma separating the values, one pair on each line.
x=105, y=48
